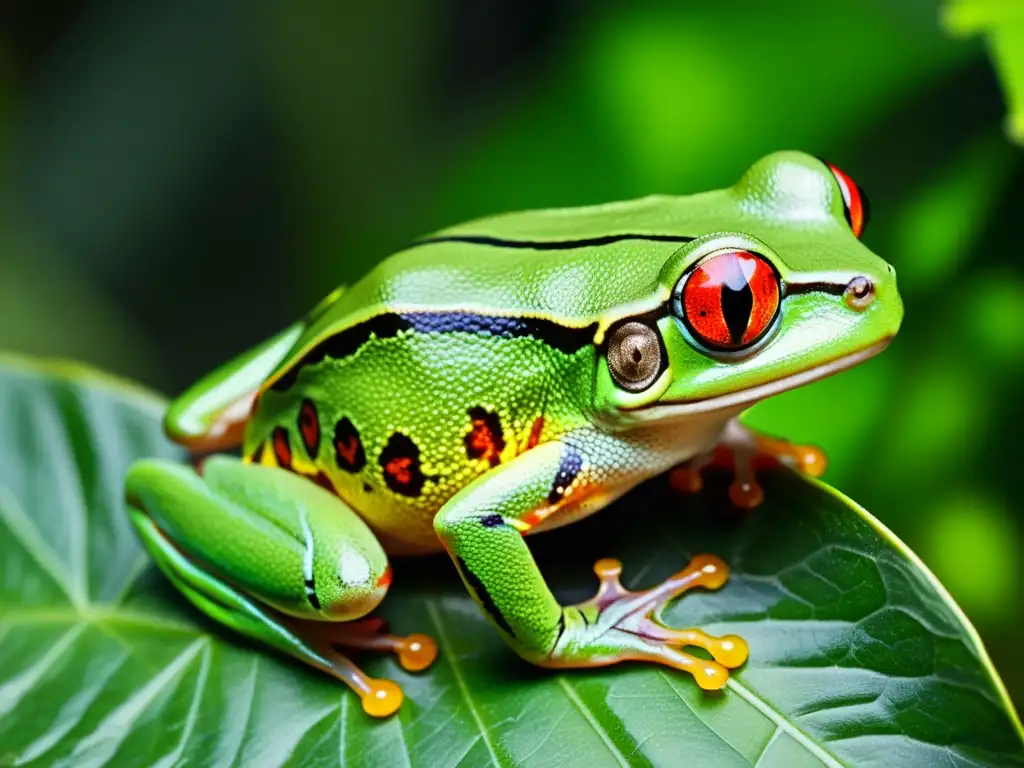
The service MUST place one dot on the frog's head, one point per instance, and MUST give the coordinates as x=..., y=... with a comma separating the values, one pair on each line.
x=774, y=292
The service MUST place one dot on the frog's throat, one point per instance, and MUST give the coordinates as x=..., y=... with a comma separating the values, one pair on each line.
x=741, y=399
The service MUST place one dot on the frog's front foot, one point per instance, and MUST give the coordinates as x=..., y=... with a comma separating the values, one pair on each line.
x=746, y=452
x=619, y=625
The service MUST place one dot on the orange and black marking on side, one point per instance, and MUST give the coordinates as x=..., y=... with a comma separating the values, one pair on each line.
x=309, y=428
x=535, y=433
x=485, y=439
x=400, y=462
x=348, y=447
x=282, y=447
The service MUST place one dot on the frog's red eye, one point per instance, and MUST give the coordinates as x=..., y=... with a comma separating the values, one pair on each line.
x=730, y=299
x=855, y=203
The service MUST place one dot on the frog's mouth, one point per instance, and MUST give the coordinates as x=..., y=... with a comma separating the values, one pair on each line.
x=744, y=398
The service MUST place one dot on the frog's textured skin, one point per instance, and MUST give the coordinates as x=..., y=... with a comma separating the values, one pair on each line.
x=462, y=395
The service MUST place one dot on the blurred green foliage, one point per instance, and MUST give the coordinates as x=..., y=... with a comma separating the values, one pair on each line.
x=180, y=180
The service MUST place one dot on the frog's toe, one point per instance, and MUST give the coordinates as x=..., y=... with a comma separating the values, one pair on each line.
x=730, y=651
x=415, y=652
x=618, y=624
x=382, y=699
x=709, y=675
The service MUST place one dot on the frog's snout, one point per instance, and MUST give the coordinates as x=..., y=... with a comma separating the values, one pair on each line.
x=877, y=292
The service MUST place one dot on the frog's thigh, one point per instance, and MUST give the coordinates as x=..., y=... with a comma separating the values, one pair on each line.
x=270, y=533
x=482, y=527
x=258, y=548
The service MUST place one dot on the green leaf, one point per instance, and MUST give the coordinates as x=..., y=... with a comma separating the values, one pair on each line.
x=858, y=657
x=1002, y=23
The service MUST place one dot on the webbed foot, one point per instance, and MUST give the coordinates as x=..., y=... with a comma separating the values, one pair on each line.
x=618, y=625
x=747, y=452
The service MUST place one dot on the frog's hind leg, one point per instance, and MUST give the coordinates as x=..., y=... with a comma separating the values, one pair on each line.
x=746, y=452
x=276, y=558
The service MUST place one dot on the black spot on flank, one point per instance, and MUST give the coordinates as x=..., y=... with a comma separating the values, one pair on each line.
x=480, y=591
x=564, y=338
x=485, y=439
x=282, y=447
x=568, y=469
x=492, y=521
x=348, y=448
x=367, y=487
x=309, y=428
x=311, y=594
x=256, y=457
x=400, y=461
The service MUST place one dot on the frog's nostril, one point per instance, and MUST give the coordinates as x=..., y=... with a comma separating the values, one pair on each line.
x=859, y=294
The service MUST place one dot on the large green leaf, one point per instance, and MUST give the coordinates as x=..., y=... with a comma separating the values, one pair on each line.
x=858, y=657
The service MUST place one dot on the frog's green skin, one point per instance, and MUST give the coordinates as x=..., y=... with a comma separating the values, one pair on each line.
x=460, y=395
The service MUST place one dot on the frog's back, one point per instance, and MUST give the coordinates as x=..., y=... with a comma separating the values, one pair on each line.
x=569, y=263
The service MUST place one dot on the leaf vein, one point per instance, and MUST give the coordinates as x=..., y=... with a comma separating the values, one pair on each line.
x=435, y=616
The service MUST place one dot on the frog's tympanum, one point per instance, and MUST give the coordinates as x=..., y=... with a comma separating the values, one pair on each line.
x=504, y=377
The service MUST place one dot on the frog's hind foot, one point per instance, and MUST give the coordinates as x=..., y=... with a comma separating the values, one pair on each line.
x=747, y=452
x=618, y=625
x=379, y=697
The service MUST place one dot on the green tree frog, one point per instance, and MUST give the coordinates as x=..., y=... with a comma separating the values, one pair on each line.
x=501, y=378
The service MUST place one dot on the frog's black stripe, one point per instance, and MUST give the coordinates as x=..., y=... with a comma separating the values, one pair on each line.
x=563, y=338
x=477, y=588
x=818, y=287
x=550, y=245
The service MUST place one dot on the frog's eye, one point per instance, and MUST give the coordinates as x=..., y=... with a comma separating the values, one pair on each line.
x=635, y=356
x=855, y=203
x=728, y=300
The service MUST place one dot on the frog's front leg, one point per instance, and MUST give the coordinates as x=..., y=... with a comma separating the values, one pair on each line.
x=746, y=451
x=275, y=557
x=482, y=527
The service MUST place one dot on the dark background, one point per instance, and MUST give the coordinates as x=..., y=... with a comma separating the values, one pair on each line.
x=179, y=180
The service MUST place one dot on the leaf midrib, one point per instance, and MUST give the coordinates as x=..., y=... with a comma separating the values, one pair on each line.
x=782, y=724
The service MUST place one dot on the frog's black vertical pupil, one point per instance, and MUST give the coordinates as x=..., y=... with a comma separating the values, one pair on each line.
x=737, y=303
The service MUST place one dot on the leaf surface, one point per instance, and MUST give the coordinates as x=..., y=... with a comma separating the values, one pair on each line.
x=858, y=657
